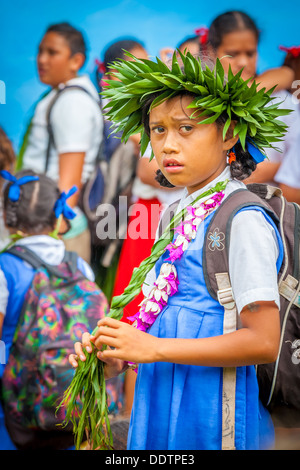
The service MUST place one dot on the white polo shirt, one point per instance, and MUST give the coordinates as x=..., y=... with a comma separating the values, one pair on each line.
x=77, y=124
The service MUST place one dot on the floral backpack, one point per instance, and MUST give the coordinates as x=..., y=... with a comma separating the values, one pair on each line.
x=60, y=305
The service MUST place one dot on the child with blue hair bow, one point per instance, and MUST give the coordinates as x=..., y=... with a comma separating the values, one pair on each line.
x=34, y=211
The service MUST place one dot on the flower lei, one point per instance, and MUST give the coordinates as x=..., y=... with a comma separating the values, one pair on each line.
x=167, y=282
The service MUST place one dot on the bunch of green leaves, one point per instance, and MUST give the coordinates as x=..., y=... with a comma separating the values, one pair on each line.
x=215, y=95
x=85, y=399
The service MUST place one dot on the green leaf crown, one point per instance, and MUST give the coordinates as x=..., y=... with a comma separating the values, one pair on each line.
x=215, y=95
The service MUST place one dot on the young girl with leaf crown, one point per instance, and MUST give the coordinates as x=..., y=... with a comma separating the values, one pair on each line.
x=33, y=210
x=193, y=118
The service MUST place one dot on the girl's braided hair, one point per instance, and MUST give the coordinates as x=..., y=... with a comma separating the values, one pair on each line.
x=33, y=213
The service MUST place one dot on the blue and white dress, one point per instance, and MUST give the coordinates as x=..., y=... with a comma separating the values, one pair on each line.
x=179, y=407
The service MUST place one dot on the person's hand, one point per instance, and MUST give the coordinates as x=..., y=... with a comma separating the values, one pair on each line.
x=113, y=367
x=127, y=343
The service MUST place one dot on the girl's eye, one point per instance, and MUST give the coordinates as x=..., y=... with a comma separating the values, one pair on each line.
x=185, y=129
x=157, y=129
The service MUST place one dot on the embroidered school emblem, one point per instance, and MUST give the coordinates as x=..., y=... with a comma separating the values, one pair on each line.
x=216, y=238
x=295, y=345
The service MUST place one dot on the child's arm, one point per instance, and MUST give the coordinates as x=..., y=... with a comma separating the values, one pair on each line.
x=70, y=171
x=282, y=77
x=256, y=342
x=290, y=193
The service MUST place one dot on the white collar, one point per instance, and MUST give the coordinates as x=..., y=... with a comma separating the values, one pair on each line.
x=187, y=198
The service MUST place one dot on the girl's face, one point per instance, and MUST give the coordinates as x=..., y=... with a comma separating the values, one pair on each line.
x=242, y=47
x=188, y=154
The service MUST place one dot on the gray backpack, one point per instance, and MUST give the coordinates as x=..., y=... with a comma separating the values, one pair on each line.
x=279, y=382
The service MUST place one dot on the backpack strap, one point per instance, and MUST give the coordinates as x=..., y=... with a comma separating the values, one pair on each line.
x=100, y=155
x=71, y=259
x=225, y=297
x=36, y=262
x=216, y=274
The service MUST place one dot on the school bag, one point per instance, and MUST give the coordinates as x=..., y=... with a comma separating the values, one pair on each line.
x=113, y=176
x=60, y=305
x=279, y=382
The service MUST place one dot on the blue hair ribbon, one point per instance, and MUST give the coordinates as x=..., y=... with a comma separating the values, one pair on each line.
x=61, y=206
x=14, y=190
x=255, y=153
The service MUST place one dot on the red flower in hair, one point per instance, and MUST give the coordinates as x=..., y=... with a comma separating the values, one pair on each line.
x=294, y=50
x=232, y=157
x=203, y=34
x=101, y=66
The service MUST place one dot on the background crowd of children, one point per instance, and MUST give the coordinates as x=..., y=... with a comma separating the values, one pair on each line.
x=68, y=158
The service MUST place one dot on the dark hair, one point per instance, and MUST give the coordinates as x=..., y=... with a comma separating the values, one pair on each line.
x=33, y=212
x=7, y=154
x=116, y=50
x=73, y=36
x=227, y=23
x=240, y=169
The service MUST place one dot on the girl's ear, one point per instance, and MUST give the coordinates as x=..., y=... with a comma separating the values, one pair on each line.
x=229, y=140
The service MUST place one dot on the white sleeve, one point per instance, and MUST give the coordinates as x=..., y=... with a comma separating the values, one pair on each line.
x=253, y=254
x=4, y=294
x=73, y=121
x=289, y=143
x=289, y=170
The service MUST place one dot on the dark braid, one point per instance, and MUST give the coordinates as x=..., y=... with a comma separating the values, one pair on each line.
x=244, y=164
x=162, y=180
x=11, y=218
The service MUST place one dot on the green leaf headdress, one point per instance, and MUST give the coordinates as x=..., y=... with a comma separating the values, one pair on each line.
x=215, y=95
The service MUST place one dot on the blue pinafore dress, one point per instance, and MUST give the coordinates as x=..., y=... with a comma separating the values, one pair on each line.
x=179, y=407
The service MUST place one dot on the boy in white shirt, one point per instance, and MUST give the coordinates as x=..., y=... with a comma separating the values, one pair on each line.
x=76, y=122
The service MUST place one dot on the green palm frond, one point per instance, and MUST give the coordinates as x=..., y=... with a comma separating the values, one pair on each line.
x=215, y=95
